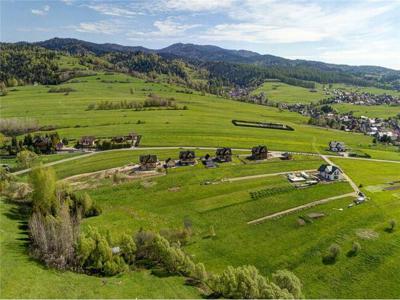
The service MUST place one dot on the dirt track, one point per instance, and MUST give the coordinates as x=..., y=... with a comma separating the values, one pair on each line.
x=298, y=208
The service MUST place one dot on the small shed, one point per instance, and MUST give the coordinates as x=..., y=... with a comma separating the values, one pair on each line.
x=148, y=162
x=187, y=157
x=169, y=163
x=259, y=152
x=287, y=156
x=223, y=154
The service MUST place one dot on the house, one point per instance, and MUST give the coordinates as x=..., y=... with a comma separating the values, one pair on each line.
x=259, y=152
x=330, y=172
x=148, y=162
x=287, y=156
x=87, y=142
x=42, y=143
x=187, y=157
x=223, y=154
x=337, y=146
x=135, y=138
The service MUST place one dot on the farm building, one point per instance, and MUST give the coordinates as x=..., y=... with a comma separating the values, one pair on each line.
x=337, y=146
x=223, y=154
x=87, y=142
x=148, y=162
x=259, y=152
x=330, y=172
x=187, y=157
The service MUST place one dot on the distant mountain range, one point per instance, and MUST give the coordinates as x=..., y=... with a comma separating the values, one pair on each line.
x=209, y=53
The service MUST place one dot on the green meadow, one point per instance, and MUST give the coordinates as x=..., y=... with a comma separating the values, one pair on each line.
x=206, y=122
x=165, y=201
x=206, y=197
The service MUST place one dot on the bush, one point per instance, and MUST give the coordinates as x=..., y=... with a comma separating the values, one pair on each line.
x=247, y=283
x=61, y=90
x=95, y=255
x=26, y=158
x=392, y=225
x=16, y=126
x=355, y=249
x=332, y=255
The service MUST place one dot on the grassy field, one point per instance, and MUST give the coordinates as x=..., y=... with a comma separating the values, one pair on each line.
x=375, y=111
x=207, y=122
x=281, y=92
x=165, y=201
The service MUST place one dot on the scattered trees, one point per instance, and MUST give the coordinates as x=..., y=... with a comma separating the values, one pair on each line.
x=332, y=255
x=25, y=158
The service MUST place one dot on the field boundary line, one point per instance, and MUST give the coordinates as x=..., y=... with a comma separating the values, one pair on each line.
x=298, y=208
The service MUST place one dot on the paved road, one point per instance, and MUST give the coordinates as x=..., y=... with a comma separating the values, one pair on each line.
x=298, y=208
x=194, y=148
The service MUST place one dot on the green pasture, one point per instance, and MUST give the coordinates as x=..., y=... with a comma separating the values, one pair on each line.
x=373, y=111
x=207, y=122
x=277, y=91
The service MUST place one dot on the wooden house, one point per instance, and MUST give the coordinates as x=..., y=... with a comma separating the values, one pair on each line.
x=148, y=162
x=223, y=154
x=87, y=142
x=187, y=157
x=42, y=143
x=259, y=152
x=330, y=172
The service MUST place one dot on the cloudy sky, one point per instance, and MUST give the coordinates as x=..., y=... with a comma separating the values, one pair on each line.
x=364, y=32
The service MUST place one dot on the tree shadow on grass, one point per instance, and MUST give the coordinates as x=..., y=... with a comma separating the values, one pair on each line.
x=328, y=260
x=351, y=253
x=20, y=212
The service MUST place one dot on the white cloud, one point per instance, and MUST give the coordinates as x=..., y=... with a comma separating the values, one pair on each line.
x=41, y=12
x=271, y=21
x=102, y=27
x=113, y=10
x=67, y=2
x=197, y=5
x=164, y=29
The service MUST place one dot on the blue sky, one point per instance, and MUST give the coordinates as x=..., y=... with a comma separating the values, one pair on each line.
x=365, y=32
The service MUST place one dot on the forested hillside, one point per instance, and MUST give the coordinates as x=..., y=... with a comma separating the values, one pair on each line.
x=184, y=63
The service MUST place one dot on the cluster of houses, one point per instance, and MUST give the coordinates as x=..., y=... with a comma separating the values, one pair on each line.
x=91, y=142
x=361, y=98
x=385, y=130
x=188, y=157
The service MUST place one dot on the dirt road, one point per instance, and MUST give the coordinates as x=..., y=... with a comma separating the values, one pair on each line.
x=298, y=208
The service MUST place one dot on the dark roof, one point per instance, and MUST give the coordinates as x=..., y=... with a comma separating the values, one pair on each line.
x=259, y=149
x=149, y=158
x=88, y=139
x=188, y=154
x=330, y=169
x=224, y=151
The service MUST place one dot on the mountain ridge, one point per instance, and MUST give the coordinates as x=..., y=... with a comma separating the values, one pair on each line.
x=207, y=53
